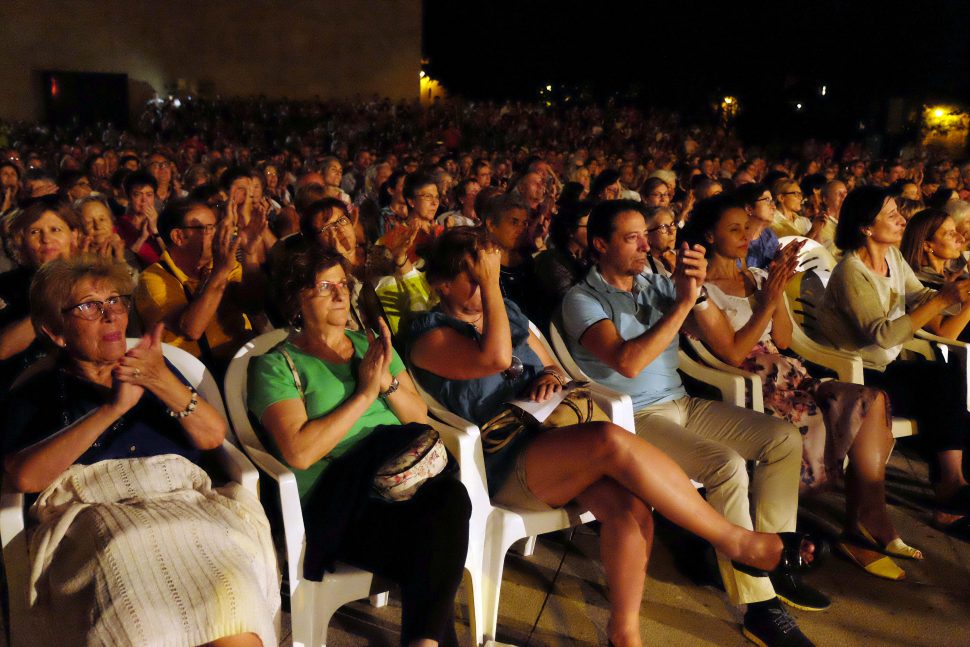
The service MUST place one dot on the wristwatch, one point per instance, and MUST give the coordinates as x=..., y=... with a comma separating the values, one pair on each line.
x=390, y=389
x=701, y=300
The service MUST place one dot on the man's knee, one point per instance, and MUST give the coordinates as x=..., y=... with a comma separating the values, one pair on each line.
x=784, y=441
x=730, y=470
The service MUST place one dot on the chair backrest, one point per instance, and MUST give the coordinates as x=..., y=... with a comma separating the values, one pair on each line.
x=194, y=371
x=812, y=256
x=562, y=352
x=236, y=397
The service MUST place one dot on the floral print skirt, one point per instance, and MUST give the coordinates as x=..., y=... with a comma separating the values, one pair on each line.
x=828, y=414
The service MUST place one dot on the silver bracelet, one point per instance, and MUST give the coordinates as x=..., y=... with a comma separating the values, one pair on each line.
x=390, y=389
x=189, y=409
x=553, y=372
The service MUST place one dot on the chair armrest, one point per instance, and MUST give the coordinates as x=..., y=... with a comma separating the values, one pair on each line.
x=920, y=347
x=618, y=406
x=12, y=521
x=731, y=386
x=847, y=365
x=713, y=361
x=237, y=467
x=951, y=349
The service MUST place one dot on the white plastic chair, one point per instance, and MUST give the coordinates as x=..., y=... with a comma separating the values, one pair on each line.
x=312, y=604
x=12, y=513
x=847, y=366
x=731, y=385
x=812, y=256
x=494, y=529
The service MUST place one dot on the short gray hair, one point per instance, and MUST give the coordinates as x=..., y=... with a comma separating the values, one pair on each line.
x=53, y=284
x=958, y=210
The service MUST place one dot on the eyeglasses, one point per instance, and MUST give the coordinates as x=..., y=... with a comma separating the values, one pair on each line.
x=206, y=228
x=665, y=194
x=342, y=221
x=515, y=370
x=664, y=229
x=799, y=193
x=430, y=197
x=766, y=198
x=94, y=310
x=326, y=288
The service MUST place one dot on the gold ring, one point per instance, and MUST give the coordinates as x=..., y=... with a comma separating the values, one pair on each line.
x=137, y=372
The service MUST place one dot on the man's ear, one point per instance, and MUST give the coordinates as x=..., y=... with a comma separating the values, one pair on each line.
x=177, y=237
x=600, y=246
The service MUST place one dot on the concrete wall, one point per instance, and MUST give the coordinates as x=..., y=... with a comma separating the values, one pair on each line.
x=292, y=48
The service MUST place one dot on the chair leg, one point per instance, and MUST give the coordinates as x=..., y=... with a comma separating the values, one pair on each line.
x=379, y=600
x=528, y=546
x=303, y=617
x=493, y=567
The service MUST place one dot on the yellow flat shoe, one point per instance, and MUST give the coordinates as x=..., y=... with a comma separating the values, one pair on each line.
x=897, y=547
x=870, y=561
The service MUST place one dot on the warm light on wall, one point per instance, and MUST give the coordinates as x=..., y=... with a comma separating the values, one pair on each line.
x=430, y=89
x=729, y=108
x=946, y=127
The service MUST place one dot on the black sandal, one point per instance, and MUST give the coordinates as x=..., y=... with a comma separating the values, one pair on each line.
x=791, y=556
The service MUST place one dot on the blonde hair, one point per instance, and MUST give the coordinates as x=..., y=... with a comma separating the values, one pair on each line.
x=53, y=285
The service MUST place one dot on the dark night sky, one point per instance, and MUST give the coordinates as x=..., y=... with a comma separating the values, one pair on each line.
x=684, y=53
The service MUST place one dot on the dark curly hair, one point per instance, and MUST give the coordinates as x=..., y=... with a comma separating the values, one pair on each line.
x=295, y=269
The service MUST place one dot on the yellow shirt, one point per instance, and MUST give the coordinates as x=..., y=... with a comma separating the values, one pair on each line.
x=160, y=293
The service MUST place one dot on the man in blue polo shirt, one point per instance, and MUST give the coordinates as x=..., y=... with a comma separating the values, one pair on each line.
x=622, y=328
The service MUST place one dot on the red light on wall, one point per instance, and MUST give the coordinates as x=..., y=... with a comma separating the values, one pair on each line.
x=53, y=87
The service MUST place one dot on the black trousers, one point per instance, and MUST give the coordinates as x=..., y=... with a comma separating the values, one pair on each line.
x=932, y=394
x=420, y=544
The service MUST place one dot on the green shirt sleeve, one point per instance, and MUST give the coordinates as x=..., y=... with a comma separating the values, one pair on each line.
x=269, y=381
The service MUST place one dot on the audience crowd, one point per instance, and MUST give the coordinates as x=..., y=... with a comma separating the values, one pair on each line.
x=397, y=241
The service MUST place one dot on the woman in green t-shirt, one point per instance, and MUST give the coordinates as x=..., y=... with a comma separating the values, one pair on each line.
x=352, y=383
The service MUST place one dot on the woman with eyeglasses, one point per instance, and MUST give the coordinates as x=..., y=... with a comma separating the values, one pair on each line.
x=113, y=442
x=662, y=236
x=788, y=219
x=565, y=262
x=351, y=382
x=474, y=352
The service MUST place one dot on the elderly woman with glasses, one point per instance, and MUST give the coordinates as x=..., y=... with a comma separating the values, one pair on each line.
x=662, y=236
x=114, y=440
x=320, y=395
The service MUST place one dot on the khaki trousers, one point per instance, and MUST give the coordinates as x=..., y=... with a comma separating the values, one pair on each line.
x=713, y=442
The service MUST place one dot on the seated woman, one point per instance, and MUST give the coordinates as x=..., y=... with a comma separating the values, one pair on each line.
x=874, y=304
x=835, y=418
x=662, y=236
x=391, y=297
x=351, y=383
x=48, y=229
x=933, y=248
x=113, y=442
x=475, y=352
x=562, y=265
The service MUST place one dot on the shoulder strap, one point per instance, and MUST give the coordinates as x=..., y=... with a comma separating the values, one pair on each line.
x=281, y=347
x=203, y=341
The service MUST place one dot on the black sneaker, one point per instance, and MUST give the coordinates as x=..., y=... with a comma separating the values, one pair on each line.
x=792, y=591
x=772, y=627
